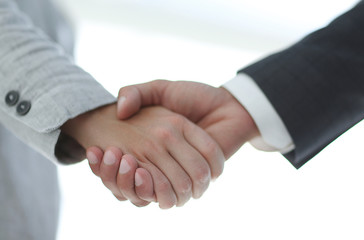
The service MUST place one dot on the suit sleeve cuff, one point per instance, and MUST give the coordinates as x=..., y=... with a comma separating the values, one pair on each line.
x=274, y=134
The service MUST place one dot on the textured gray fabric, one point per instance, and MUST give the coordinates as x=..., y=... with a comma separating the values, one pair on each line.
x=32, y=64
x=29, y=194
x=43, y=74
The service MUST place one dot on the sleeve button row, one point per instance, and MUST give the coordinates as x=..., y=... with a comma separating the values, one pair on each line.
x=12, y=99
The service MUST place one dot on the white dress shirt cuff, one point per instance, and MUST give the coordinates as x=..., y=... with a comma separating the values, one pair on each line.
x=274, y=134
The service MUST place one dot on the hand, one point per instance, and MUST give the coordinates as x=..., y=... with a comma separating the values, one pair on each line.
x=175, y=152
x=213, y=109
x=122, y=175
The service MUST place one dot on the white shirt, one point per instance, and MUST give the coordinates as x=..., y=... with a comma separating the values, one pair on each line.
x=274, y=134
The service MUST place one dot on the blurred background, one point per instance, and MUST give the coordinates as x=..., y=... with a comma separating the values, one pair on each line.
x=260, y=195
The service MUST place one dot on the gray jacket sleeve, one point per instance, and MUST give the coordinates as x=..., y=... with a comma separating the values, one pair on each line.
x=43, y=75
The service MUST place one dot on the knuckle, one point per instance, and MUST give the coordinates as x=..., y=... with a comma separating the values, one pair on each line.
x=202, y=175
x=211, y=148
x=171, y=129
x=213, y=152
x=166, y=134
x=184, y=187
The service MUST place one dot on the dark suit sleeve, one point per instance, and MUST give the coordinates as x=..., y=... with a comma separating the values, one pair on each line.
x=317, y=85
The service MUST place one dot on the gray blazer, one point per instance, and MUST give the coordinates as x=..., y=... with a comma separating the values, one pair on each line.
x=34, y=69
x=36, y=72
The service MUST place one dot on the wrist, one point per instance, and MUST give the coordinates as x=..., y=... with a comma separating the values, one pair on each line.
x=253, y=131
x=83, y=127
x=249, y=128
x=272, y=129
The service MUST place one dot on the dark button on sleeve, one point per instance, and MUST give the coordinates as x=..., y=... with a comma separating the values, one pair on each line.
x=12, y=98
x=23, y=108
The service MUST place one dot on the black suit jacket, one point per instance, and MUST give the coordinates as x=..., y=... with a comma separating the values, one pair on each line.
x=317, y=85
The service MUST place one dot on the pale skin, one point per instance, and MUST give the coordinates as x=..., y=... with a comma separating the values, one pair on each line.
x=215, y=110
x=173, y=156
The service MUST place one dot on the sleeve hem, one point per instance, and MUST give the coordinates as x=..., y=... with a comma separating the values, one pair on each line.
x=274, y=134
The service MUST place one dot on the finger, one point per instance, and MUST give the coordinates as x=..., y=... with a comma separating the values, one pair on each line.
x=195, y=166
x=163, y=189
x=175, y=174
x=126, y=181
x=109, y=168
x=207, y=147
x=144, y=185
x=94, y=156
x=132, y=98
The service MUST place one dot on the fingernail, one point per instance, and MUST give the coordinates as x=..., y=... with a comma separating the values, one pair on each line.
x=138, y=179
x=124, y=166
x=109, y=158
x=92, y=159
x=121, y=102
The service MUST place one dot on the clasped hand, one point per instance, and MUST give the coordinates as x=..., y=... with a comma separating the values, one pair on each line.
x=164, y=141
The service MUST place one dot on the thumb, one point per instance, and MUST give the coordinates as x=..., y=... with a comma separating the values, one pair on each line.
x=132, y=98
x=129, y=102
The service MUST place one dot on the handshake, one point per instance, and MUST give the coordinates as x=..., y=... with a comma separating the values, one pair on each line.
x=163, y=141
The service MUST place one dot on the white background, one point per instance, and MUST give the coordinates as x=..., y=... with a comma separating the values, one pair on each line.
x=260, y=195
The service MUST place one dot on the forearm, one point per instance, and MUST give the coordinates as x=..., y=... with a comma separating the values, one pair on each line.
x=86, y=128
x=316, y=85
x=45, y=77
